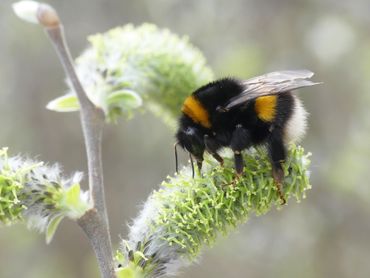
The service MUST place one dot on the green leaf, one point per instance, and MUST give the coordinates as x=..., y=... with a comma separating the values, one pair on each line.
x=119, y=257
x=124, y=99
x=125, y=273
x=138, y=255
x=73, y=203
x=130, y=271
x=66, y=103
x=52, y=227
x=73, y=196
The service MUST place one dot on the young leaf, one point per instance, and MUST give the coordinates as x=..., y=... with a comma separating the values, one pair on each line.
x=73, y=196
x=126, y=273
x=66, y=103
x=131, y=271
x=74, y=203
x=125, y=99
x=52, y=227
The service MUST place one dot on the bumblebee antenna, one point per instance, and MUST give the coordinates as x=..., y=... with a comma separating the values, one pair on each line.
x=192, y=165
x=176, y=163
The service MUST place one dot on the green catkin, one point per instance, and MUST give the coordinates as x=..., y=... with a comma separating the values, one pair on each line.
x=186, y=214
x=38, y=194
x=159, y=66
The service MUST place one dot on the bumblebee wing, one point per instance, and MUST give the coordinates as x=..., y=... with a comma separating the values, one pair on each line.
x=270, y=84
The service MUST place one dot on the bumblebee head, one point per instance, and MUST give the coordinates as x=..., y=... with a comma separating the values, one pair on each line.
x=191, y=140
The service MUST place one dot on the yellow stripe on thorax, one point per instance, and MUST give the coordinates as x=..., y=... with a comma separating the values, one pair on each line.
x=265, y=107
x=195, y=110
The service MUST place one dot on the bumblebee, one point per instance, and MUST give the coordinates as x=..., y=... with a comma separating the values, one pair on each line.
x=240, y=114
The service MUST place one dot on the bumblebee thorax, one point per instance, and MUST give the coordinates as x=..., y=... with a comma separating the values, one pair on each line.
x=195, y=110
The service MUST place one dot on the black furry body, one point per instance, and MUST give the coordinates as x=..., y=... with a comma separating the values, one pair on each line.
x=238, y=128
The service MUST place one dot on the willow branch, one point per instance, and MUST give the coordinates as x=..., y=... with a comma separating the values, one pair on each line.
x=95, y=221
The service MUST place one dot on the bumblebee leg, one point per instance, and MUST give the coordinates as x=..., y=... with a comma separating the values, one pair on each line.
x=240, y=140
x=218, y=158
x=212, y=146
x=199, y=164
x=277, y=154
x=192, y=166
x=239, y=163
x=278, y=175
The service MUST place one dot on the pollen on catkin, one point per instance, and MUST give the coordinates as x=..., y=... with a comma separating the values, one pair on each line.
x=185, y=214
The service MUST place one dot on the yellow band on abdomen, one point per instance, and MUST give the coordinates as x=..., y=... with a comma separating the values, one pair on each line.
x=265, y=107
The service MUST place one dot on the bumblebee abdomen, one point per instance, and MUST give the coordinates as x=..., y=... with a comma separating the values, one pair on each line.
x=265, y=107
x=296, y=126
x=283, y=111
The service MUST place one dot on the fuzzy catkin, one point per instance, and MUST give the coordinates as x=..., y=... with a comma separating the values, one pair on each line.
x=156, y=64
x=185, y=214
x=37, y=193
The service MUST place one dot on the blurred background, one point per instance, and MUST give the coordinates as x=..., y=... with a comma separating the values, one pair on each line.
x=327, y=235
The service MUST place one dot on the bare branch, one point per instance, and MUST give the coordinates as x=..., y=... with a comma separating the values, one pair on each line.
x=95, y=222
x=95, y=230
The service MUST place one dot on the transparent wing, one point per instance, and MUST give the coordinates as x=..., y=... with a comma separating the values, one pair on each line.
x=272, y=83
